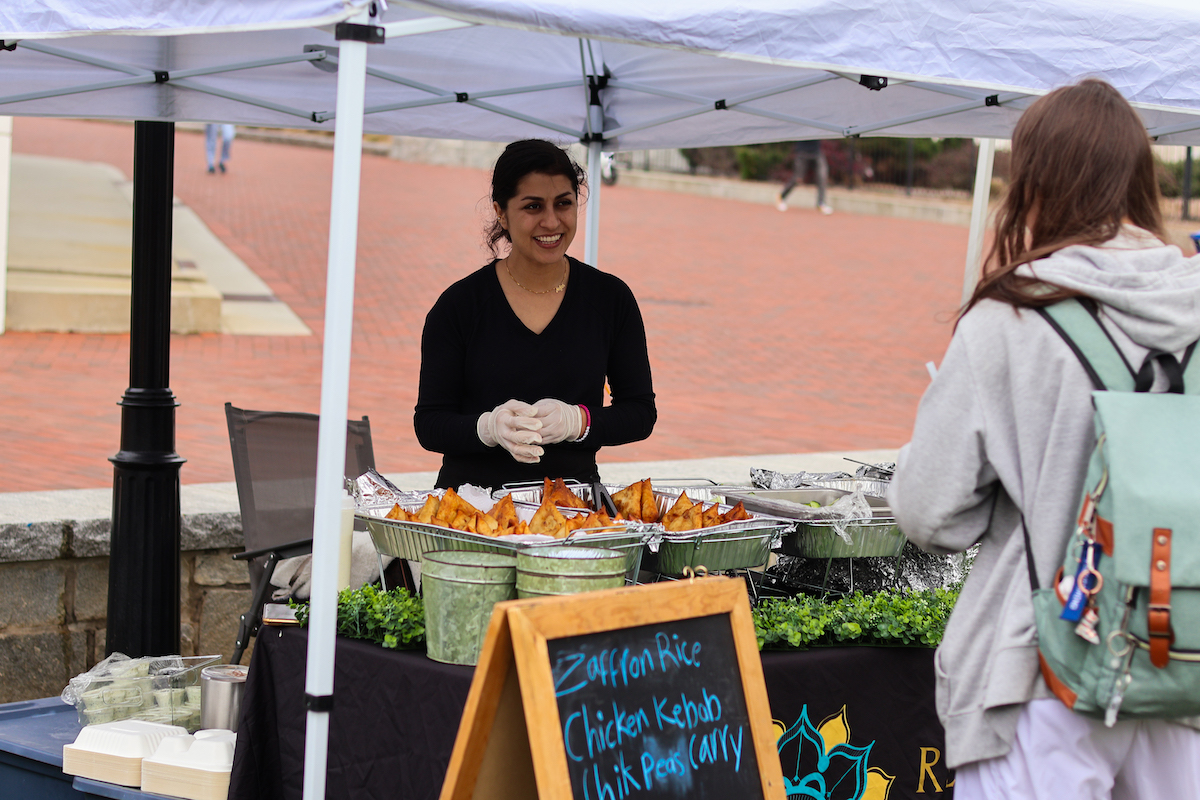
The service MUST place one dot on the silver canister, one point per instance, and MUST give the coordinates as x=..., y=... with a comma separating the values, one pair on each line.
x=221, y=688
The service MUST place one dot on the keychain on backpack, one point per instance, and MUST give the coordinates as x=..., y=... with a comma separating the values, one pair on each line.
x=1086, y=584
x=1086, y=628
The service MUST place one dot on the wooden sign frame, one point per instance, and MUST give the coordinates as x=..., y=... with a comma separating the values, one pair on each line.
x=509, y=741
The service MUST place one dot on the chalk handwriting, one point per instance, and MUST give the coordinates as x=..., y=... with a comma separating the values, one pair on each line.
x=674, y=651
x=671, y=738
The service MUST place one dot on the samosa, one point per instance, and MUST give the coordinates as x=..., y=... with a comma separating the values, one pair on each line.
x=548, y=520
x=738, y=512
x=564, y=497
x=504, y=512
x=649, y=503
x=628, y=502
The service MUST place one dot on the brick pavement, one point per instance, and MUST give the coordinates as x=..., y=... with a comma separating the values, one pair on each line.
x=769, y=332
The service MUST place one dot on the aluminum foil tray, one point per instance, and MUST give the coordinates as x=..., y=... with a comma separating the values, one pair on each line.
x=820, y=540
x=793, y=503
x=815, y=536
x=411, y=540
x=716, y=548
x=734, y=545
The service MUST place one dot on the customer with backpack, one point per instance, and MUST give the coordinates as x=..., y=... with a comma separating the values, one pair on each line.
x=1002, y=441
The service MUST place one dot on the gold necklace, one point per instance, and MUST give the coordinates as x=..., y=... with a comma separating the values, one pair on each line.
x=562, y=284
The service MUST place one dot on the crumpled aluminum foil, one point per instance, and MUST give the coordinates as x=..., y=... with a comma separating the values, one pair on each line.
x=770, y=479
x=372, y=490
x=883, y=471
x=864, y=480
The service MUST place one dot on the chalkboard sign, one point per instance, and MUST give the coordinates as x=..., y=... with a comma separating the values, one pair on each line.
x=655, y=711
x=628, y=694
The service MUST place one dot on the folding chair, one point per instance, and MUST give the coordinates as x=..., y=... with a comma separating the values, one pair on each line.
x=275, y=465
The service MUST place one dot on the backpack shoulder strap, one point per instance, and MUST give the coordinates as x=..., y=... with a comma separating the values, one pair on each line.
x=1191, y=371
x=1092, y=344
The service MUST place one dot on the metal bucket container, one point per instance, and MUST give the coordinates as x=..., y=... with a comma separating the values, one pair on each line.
x=221, y=689
x=545, y=571
x=460, y=588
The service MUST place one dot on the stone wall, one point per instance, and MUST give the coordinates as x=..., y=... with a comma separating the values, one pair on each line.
x=54, y=597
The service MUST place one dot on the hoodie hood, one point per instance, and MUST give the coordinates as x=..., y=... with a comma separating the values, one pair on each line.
x=1151, y=291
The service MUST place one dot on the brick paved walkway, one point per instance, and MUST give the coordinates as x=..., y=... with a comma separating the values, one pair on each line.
x=769, y=332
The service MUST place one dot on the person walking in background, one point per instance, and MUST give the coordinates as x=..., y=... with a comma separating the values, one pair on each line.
x=211, y=132
x=802, y=154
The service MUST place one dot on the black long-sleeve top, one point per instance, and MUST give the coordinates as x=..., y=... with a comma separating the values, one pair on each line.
x=476, y=354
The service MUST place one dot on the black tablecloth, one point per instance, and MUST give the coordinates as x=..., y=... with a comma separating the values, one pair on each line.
x=396, y=714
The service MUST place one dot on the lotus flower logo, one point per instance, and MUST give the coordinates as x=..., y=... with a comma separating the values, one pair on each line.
x=827, y=766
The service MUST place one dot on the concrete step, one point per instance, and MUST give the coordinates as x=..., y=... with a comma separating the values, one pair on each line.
x=70, y=260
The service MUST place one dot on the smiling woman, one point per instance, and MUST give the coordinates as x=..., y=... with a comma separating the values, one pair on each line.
x=516, y=356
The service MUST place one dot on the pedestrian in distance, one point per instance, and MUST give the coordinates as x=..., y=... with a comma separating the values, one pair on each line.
x=1002, y=442
x=803, y=154
x=212, y=132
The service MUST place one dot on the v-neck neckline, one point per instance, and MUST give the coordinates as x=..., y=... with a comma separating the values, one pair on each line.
x=499, y=288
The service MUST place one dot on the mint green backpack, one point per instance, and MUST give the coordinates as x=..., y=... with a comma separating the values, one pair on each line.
x=1119, y=631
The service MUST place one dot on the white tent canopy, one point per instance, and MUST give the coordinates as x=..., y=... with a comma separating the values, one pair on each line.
x=633, y=74
x=679, y=75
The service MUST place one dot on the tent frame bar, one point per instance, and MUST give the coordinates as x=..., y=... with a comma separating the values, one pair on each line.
x=553, y=126
x=83, y=59
x=444, y=96
x=812, y=123
x=142, y=76
x=375, y=72
x=728, y=104
x=90, y=87
x=1008, y=97
x=953, y=91
x=313, y=116
x=974, y=101
x=1167, y=130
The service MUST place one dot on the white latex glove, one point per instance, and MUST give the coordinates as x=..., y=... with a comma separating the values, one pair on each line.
x=513, y=426
x=561, y=422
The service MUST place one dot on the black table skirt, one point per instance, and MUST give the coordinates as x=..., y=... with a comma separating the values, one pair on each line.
x=396, y=714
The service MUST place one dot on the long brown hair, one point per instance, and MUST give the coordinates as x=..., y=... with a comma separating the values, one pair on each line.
x=1081, y=165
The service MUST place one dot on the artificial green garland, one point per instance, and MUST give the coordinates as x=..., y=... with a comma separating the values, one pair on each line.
x=912, y=618
x=396, y=619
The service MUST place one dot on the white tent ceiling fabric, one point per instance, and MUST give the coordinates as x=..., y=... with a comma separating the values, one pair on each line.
x=45, y=19
x=680, y=74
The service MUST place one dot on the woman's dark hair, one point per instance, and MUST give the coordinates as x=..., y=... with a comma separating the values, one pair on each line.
x=520, y=159
x=1081, y=164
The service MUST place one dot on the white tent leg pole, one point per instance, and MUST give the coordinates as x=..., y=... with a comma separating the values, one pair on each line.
x=591, y=229
x=979, y=213
x=335, y=401
x=5, y=179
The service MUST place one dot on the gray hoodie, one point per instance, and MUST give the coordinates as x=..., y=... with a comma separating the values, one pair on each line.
x=1005, y=430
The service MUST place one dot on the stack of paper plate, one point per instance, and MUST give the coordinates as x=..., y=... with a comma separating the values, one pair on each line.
x=113, y=751
x=193, y=767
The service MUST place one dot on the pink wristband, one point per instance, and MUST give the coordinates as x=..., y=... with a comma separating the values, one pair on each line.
x=587, y=423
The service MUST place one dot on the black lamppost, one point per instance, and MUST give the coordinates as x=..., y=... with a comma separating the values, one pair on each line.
x=143, y=571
